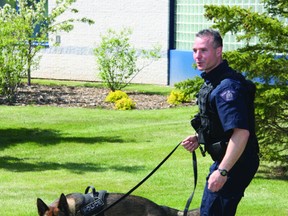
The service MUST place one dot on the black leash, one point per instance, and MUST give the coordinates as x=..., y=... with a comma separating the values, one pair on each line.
x=194, y=159
x=148, y=176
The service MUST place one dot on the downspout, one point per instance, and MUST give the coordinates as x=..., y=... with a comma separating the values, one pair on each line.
x=171, y=35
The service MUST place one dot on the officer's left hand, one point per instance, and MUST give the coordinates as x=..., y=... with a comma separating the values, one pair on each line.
x=190, y=143
x=216, y=181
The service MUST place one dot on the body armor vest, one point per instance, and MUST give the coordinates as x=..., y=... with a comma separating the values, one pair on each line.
x=207, y=123
x=203, y=102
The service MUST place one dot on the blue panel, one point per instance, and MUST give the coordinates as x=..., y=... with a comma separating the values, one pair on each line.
x=181, y=66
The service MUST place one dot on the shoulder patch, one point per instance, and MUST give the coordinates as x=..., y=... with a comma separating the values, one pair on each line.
x=228, y=95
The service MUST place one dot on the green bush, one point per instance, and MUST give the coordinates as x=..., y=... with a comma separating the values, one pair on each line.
x=185, y=91
x=177, y=97
x=114, y=96
x=271, y=122
x=12, y=63
x=190, y=87
x=121, y=100
x=117, y=59
x=125, y=104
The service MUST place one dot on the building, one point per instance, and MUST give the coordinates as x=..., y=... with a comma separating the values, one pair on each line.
x=74, y=58
x=172, y=24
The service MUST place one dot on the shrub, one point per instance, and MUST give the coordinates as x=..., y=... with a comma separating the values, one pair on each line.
x=177, y=97
x=185, y=91
x=121, y=100
x=114, y=96
x=118, y=61
x=190, y=87
x=12, y=63
x=125, y=104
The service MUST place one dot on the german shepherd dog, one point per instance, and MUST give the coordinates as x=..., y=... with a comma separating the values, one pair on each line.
x=71, y=204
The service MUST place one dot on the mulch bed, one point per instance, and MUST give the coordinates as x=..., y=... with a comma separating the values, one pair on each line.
x=89, y=97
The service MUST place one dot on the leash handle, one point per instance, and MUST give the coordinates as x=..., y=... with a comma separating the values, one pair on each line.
x=141, y=182
x=194, y=159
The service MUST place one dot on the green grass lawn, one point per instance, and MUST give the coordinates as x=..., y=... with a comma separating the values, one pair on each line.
x=141, y=88
x=46, y=151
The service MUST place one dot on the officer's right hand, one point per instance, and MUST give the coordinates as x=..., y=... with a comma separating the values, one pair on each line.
x=190, y=143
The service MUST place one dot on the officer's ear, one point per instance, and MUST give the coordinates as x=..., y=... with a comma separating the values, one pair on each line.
x=219, y=51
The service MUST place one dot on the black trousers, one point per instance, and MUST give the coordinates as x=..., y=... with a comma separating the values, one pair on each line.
x=225, y=201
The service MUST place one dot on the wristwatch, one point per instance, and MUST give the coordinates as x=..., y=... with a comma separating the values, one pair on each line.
x=223, y=172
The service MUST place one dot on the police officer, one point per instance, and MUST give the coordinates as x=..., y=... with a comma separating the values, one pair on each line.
x=225, y=125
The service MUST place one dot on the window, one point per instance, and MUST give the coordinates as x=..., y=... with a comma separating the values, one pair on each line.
x=189, y=19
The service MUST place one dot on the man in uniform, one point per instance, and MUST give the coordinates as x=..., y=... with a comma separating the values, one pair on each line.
x=225, y=125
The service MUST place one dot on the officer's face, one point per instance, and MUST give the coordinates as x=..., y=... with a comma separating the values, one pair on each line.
x=206, y=56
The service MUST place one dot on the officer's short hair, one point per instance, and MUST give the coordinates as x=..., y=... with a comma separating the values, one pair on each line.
x=217, y=39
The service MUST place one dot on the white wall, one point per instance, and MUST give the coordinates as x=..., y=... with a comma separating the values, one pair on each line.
x=74, y=59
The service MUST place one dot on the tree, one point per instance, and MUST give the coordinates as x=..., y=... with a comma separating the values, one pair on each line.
x=117, y=59
x=12, y=62
x=265, y=60
x=35, y=25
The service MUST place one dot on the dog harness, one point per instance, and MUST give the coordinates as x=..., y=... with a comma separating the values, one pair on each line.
x=92, y=203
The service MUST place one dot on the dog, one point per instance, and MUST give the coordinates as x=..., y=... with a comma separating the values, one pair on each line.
x=74, y=203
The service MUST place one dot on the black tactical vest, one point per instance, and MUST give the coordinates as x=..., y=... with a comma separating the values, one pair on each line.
x=209, y=129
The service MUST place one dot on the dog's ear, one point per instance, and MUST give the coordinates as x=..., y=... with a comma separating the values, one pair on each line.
x=63, y=205
x=42, y=207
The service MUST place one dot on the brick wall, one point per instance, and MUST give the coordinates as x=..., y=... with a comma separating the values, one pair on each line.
x=74, y=58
